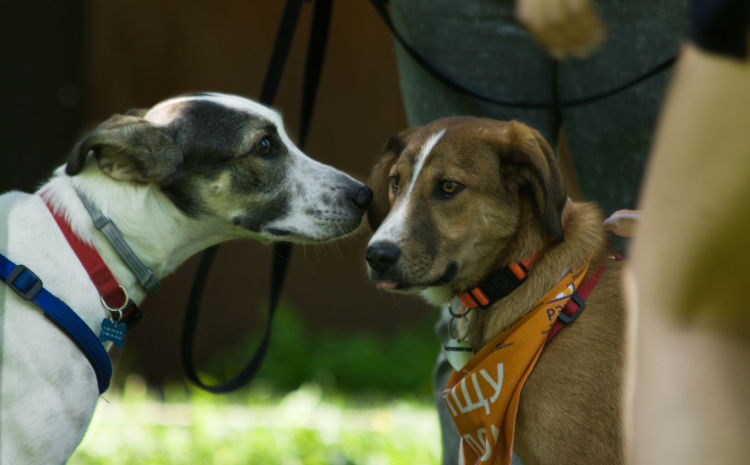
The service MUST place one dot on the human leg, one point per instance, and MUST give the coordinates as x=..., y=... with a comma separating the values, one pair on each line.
x=689, y=267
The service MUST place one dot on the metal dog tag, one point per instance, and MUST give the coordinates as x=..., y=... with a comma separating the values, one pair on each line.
x=458, y=353
x=112, y=332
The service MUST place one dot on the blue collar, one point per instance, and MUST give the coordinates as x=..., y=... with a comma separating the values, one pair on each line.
x=28, y=285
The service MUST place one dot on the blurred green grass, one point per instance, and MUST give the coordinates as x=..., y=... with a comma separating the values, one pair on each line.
x=323, y=396
x=302, y=427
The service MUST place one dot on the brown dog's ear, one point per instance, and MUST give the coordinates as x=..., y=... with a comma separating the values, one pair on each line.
x=127, y=148
x=528, y=150
x=379, y=183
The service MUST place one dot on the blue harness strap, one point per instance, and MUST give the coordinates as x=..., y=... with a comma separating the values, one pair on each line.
x=28, y=285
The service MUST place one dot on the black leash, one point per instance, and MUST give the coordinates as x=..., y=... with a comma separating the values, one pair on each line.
x=383, y=12
x=313, y=67
x=282, y=250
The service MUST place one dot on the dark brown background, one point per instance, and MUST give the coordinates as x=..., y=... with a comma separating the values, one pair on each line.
x=84, y=61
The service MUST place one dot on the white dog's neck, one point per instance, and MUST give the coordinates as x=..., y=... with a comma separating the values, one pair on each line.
x=159, y=234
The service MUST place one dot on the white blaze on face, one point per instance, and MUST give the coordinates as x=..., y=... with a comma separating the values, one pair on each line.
x=393, y=226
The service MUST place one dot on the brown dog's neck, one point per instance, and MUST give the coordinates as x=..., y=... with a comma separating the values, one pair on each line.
x=528, y=239
x=583, y=239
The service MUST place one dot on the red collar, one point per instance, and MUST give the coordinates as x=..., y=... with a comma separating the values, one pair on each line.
x=113, y=296
x=498, y=284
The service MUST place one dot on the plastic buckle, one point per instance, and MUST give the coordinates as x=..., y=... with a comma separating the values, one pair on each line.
x=31, y=293
x=131, y=316
x=581, y=303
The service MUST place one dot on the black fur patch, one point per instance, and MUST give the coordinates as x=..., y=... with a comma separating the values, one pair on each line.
x=214, y=140
x=265, y=213
x=448, y=276
x=207, y=128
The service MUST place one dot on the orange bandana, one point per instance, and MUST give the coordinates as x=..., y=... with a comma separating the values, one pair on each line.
x=483, y=397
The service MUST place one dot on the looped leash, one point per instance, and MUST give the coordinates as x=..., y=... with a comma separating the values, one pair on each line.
x=282, y=250
x=427, y=66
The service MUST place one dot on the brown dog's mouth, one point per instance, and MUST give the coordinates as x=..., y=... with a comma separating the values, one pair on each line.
x=387, y=285
x=451, y=270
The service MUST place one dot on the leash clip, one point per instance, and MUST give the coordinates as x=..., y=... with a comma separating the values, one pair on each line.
x=116, y=311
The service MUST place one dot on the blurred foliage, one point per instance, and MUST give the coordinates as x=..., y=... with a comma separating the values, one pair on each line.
x=339, y=360
x=133, y=427
x=323, y=396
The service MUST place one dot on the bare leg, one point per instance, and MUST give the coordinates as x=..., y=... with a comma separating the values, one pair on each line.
x=689, y=271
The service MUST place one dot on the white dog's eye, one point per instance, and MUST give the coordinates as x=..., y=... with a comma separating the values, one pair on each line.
x=263, y=147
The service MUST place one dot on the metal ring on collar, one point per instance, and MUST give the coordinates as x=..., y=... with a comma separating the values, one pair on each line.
x=450, y=328
x=456, y=315
x=117, y=311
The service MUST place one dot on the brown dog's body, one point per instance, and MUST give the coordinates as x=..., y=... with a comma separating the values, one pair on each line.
x=469, y=195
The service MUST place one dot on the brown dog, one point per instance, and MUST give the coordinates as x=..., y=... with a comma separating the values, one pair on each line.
x=463, y=196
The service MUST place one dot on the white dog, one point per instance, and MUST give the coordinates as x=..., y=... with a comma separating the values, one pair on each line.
x=190, y=172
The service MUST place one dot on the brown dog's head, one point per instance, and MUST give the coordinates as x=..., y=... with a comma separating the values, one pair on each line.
x=452, y=196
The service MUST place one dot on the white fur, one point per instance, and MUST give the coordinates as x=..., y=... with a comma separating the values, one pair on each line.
x=437, y=295
x=393, y=226
x=48, y=389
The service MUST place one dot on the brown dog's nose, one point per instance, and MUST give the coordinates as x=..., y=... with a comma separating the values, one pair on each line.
x=362, y=197
x=382, y=255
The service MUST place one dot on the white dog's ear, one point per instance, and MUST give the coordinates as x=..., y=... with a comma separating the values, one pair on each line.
x=128, y=148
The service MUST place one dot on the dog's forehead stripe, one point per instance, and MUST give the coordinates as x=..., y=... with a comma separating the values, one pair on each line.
x=393, y=226
x=424, y=153
x=161, y=114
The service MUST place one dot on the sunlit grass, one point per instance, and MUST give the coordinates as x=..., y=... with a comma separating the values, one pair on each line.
x=302, y=427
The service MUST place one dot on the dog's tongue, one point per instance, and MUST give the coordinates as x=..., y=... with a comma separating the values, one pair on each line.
x=385, y=285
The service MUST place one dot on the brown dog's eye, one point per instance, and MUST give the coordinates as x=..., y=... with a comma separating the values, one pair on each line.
x=394, y=183
x=263, y=146
x=449, y=188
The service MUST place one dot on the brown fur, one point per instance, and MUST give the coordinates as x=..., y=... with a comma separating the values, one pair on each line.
x=571, y=407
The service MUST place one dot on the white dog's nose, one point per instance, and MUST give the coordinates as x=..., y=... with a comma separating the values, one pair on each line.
x=362, y=197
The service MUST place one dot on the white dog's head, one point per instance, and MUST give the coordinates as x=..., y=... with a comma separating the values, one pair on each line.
x=227, y=157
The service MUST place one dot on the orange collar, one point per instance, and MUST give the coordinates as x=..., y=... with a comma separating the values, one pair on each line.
x=498, y=284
